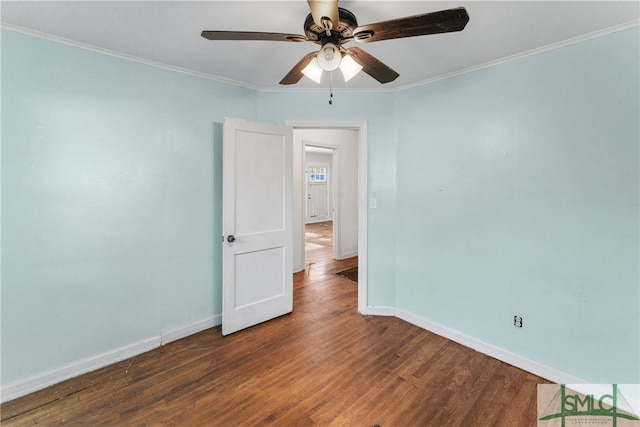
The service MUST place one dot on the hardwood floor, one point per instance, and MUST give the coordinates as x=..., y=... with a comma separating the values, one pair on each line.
x=319, y=246
x=321, y=365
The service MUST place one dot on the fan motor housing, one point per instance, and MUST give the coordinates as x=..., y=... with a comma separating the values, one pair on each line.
x=343, y=33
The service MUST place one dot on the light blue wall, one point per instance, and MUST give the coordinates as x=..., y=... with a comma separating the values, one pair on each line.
x=510, y=190
x=517, y=193
x=108, y=201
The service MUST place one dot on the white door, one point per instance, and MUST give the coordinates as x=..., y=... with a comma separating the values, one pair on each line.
x=317, y=192
x=257, y=242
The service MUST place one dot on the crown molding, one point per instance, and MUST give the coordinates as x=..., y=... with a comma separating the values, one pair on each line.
x=517, y=56
x=85, y=46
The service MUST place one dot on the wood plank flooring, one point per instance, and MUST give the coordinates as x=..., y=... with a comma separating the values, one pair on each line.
x=322, y=365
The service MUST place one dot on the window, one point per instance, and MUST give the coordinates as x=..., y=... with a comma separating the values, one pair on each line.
x=317, y=174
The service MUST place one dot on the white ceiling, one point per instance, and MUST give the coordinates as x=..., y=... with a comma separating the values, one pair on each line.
x=168, y=32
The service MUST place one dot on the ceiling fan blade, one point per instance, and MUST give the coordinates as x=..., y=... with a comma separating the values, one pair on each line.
x=324, y=9
x=444, y=21
x=296, y=74
x=251, y=35
x=373, y=66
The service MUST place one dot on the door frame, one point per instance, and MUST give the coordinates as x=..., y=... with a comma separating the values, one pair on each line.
x=335, y=202
x=361, y=127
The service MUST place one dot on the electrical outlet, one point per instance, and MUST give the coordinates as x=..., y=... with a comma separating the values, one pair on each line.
x=517, y=321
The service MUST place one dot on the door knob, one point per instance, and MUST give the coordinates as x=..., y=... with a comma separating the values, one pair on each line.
x=231, y=238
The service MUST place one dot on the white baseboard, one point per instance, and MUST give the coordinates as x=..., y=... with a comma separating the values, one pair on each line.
x=380, y=311
x=39, y=381
x=194, y=328
x=48, y=378
x=347, y=255
x=45, y=379
x=317, y=221
x=501, y=354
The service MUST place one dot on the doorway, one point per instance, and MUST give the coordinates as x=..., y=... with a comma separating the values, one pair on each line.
x=349, y=225
x=319, y=184
x=318, y=204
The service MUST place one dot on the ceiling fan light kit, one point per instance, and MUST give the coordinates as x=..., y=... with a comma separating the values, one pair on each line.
x=349, y=67
x=329, y=57
x=313, y=70
x=333, y=27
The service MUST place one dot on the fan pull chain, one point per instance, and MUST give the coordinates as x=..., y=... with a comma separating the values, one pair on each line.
x=331, y=88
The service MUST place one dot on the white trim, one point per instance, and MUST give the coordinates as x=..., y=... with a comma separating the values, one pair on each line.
x=363, y=215
x=552, y=46
x=336, y=202
x=342, y=256
x=193, y=328
x=53, y=376
x=45, y=379
x=501, y=354
x=319, y=221
x=324, y=89
x=515, y=57
x=363, y=210
x=120, y=55
x=380, y=311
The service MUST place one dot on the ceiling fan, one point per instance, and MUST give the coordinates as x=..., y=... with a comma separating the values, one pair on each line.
x=332, y=27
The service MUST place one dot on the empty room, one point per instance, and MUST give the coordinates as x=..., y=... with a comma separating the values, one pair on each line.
x=481, y=174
